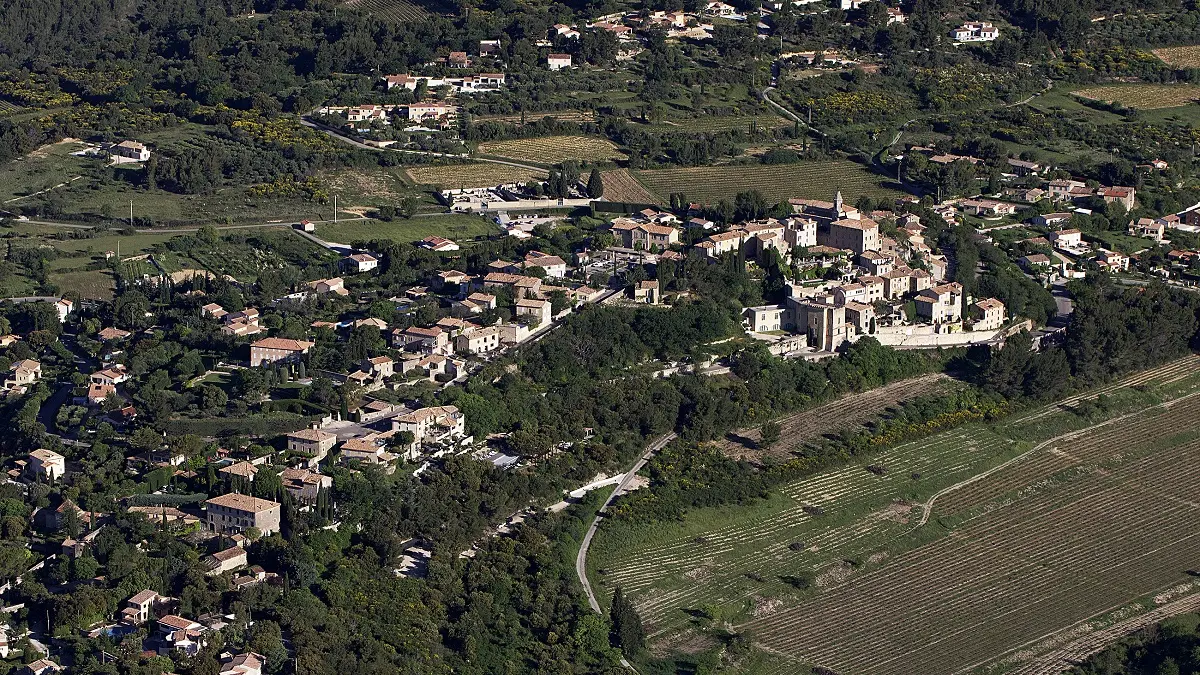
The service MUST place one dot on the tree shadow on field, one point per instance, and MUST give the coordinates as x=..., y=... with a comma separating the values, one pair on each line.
x=744, y=441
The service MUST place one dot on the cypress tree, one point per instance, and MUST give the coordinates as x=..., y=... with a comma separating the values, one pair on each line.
x=595, y=184
x=627, y=630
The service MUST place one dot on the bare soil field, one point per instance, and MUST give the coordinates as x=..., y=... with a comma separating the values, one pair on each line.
x=481, y=174
x=1144, y=96
x=554, y=149
x=1179, y=57
x=850, y=411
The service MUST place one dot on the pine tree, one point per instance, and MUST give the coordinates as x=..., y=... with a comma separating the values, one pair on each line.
x=627, y=630
x=595, y=184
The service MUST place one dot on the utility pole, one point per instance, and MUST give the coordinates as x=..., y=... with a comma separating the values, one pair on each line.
x=335, y=209
x=131, y=213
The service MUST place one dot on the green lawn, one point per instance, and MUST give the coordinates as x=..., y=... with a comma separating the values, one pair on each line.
x=90, y=284
x=459, y=227
x=1119, y=241
x=40, y=170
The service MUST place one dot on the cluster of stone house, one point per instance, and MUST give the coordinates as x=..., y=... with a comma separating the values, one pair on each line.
x=435, y=115
x=1156, y=228
x=470, y=296
x=1065, y=190
x=430, y=426
x=648, y=230
x=173, y=631
x=241, y=323
x=832, y=314
x=698, y=25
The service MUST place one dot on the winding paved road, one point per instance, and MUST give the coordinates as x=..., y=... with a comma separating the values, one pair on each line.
x=581, y=557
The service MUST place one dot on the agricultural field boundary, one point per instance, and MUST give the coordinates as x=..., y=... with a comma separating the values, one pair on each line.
x=705, y=564
x=927, y=507
x=1095, y=639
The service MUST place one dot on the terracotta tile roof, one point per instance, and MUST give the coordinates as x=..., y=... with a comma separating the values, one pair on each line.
x=283, y=344
x=243, y=503
x=315, y=435
x=244, y=469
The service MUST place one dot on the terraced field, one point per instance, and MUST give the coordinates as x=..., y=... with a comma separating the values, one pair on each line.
x=554, y=149
x=1144, y=96
x=850, y=411
x=621, y=186
x=807, y=180
x=398, y=11
x=471, y=175
x=560, y=115
x=1180, y=57
x=1079, y=533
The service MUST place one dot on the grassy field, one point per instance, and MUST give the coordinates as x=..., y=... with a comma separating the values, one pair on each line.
x=1144, y=96
x=458, y=227
x=836, y=570
x=480, y=174
x=361, y=190
x=560, y=115
x=710, y=123
x=1179, y=57
x=80, y=264
x=82, y=186
x=90, y=284
x=554, y=149
x=91, y=242
x=809, y=180
x=79, y=253
x=40, y=170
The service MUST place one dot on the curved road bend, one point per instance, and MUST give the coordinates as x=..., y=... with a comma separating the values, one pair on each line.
x=581, y=558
